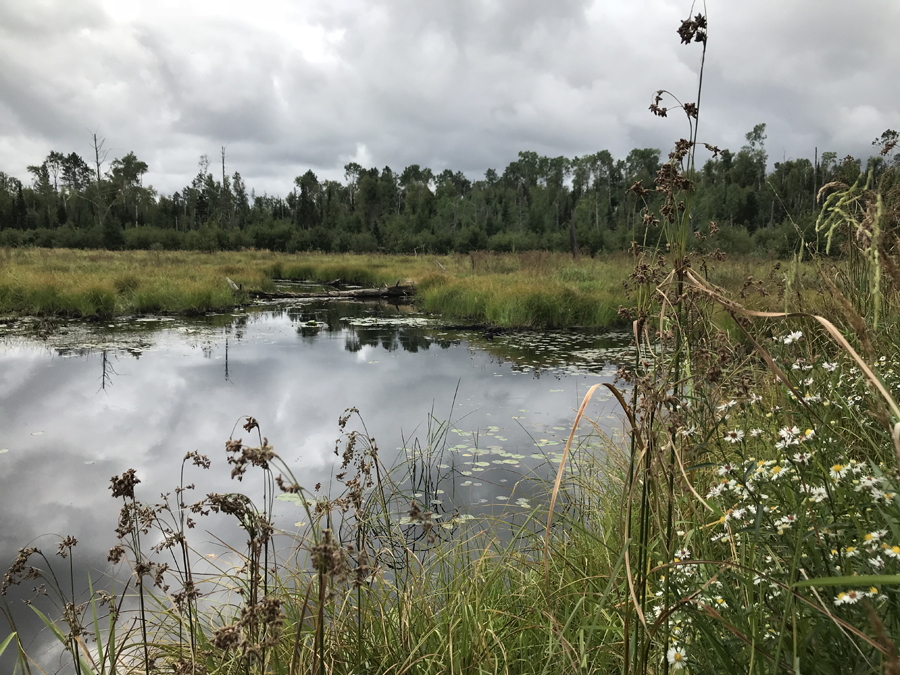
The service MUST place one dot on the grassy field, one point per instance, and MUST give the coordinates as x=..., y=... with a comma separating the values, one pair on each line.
x=535, y=289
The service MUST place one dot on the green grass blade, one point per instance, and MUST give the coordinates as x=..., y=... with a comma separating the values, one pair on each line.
x=52, y=626
x=97, y=634
x=5, y=643
x=85, y=667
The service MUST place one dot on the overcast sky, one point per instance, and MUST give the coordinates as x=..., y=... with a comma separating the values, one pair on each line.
x=291, y=85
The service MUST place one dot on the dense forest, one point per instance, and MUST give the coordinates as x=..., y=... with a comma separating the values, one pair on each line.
x=584, y=204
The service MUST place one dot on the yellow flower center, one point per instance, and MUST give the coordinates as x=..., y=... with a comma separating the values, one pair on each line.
x=776, y=470
x=868, y=537
x=678, y=656
x=837, y=468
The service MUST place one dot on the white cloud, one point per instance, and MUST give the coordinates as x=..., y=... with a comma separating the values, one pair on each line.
x=465, y=84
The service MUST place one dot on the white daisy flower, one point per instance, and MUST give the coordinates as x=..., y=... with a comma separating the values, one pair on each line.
x=778, y=471
x=871, y=539
x=677, y=657
x=868, y=483
x=716, y=491
x=789, y=433
x=785, y=523
x=802, y=458
x=818, y=495
x=734, y=436
x=838, y=471
x=847, y=598
x=725, y=407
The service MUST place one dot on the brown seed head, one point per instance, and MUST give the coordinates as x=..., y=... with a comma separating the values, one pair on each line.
x=65, y=546
x=123, y=486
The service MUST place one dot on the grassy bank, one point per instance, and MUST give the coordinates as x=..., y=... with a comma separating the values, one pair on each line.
x=98, y=284
x=536, y=289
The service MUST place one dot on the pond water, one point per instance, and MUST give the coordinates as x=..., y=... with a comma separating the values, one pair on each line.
x=80, y=403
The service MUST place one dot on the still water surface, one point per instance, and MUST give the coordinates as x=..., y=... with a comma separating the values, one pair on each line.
x=84, y=402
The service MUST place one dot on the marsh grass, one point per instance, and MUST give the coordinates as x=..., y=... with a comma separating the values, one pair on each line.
x=103, y=284
x=531, y=289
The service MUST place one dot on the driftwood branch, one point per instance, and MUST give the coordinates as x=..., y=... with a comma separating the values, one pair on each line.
x=397, y=291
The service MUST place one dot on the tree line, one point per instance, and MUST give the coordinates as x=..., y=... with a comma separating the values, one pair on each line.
x=584, y=204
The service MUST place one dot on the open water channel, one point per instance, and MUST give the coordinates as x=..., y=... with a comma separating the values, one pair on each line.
x=82, y=402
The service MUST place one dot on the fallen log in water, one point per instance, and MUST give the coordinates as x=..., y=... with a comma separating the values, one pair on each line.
x=396, y=291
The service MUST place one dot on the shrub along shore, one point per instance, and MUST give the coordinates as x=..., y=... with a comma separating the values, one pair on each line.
x=531, y=289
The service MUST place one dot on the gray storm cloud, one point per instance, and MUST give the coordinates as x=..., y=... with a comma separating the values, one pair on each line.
x=463, y=85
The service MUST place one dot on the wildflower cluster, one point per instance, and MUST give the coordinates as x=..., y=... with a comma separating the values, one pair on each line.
x=794, y=497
